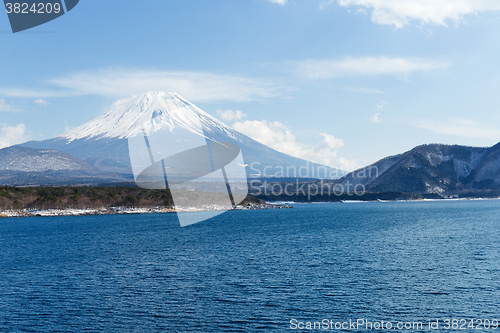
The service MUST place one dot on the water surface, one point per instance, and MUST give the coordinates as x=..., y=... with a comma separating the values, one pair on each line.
x=251, y=270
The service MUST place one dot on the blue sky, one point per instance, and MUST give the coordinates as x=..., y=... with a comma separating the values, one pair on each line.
x=342, y=82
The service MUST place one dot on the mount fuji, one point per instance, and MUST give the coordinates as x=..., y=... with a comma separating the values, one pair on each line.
x=103, y=141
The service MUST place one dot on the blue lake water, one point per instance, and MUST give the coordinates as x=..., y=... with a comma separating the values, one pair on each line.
x=249, y=271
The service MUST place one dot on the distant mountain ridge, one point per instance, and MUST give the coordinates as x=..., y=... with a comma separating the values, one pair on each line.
x=26, y=166
x=24, y=159
x=432, y=168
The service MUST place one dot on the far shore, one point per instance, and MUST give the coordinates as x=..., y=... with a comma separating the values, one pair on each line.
x=379, y=200
x=130, y=210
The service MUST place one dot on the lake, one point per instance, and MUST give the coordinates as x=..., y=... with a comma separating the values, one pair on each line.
x=249, y=271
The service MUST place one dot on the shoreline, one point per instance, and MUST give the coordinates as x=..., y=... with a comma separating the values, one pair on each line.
x=165, y=210
x=378, y=200
x=129, y=210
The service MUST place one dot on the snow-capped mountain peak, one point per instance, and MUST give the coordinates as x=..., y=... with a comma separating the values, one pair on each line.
x=150, y=112
x=104, y=141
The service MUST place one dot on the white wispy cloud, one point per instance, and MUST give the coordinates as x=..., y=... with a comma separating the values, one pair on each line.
x=41, y=102
x=362, y=90
x=4, y=106
x=380, y=105
x=365, y=66
x=463, y=127
x=13, y=135
x=278, y=136
x=230, y=115
x=375, y=118
x=273, y=134
x=195, y=86
x=401, y=12
x=117, y=83
x=279, y=2
x=35, y=93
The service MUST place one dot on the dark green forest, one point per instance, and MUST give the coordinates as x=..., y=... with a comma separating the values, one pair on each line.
x=90, y=197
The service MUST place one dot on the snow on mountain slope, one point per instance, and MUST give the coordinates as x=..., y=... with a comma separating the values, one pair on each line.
x=21, y=166
x=32, y=160
x=153, y=111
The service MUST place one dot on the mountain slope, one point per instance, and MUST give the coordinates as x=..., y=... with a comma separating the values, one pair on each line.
x=433, y=168
x=26, y=166
x=37, y=160
x=103, y=141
